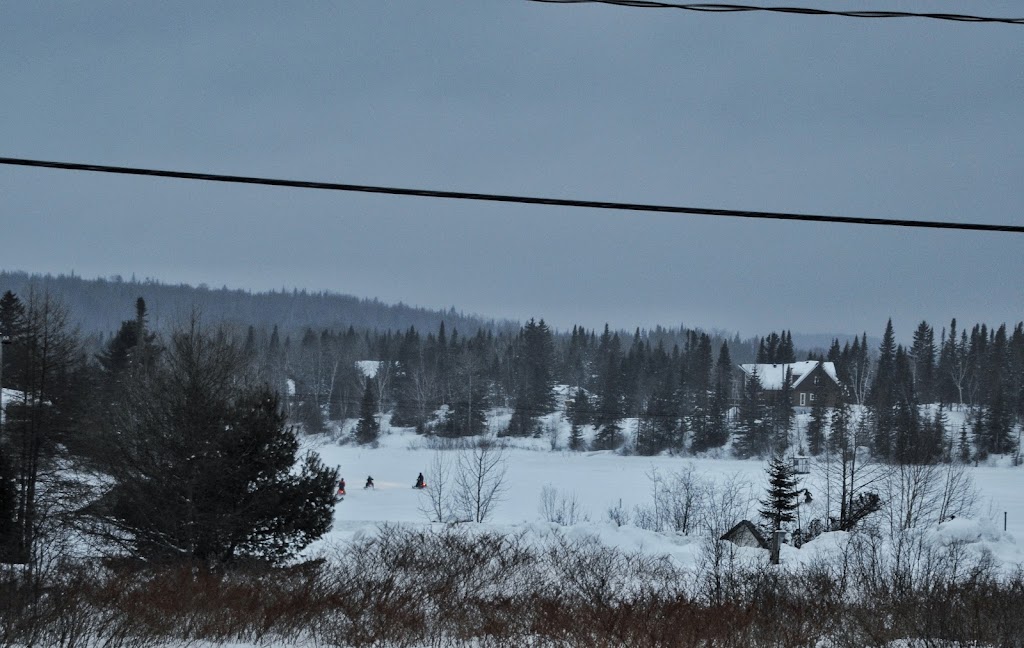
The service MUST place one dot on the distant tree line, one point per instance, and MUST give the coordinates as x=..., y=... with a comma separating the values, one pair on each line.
x=680, y=386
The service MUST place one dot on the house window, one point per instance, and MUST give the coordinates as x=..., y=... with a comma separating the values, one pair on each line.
x=817, y=380
x=812, y=398
x=803, y=398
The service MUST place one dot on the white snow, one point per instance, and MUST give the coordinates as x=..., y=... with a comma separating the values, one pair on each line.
x=368, y=368
x=604, y=480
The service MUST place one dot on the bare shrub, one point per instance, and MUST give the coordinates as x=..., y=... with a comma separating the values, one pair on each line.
x=679, y=499
x=728, y=502
x=618, y=514
x=927, y=495
x=560, y=508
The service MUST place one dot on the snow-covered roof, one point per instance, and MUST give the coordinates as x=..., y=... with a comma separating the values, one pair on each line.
x=772, y=375
x=368, y=367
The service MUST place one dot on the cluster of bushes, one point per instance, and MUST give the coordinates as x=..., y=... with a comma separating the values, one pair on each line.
x=455, y=586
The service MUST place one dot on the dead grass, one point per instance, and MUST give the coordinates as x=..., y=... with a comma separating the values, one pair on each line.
x=411, y=587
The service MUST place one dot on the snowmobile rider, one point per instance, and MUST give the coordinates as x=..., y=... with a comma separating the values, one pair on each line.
x=419, y=481
x=369, y=483
x=341, y=486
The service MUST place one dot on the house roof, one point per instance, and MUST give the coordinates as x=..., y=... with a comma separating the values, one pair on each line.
x=772, y=375
x=745, y=525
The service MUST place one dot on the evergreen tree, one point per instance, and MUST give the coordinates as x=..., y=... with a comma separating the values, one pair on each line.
x=579, y=409
x=656, y=428
x=964, y=447
x=699, y=391
x=202, y=467
x=840, y=425
x=753, y=437
x=610, y=402
x=907, y=436
x=882, y=396
x=816, y=429
x=534, y=395
x=12, y=329
x=993, y=430
x=576, y=438
x=368, y=428
x=781, y=413
x=778, y=508
x=922, y=354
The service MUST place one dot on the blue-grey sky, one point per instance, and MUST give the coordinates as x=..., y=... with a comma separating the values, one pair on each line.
x=898, y=119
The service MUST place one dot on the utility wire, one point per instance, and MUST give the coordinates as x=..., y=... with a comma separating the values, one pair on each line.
x=528, y=200
x=806, y=11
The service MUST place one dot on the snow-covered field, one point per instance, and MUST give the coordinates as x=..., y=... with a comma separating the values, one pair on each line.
x=603, y=480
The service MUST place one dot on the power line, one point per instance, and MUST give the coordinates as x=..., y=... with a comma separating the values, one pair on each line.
x=528, y=200
x=806, y=11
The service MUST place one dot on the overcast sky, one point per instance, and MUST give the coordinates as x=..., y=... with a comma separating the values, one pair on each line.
x=895, y=119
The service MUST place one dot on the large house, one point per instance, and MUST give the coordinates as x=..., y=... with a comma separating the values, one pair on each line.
x=810, y=381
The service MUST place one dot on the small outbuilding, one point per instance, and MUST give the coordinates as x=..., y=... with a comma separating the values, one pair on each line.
x=801, y=465
x=745, y=534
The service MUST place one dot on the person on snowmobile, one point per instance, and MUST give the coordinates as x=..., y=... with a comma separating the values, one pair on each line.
x=369, y=483
x=341, y=486
x=419, y=482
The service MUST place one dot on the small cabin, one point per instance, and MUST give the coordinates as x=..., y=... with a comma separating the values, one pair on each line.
x=745, y=534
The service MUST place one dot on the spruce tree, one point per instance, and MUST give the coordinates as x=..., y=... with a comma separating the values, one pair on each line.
x=535, y=362
x=203, y=467
x=576, y=438
x=816, y=429
x=368, y=428
x=840, y=424
x=882, y=396
x=752, y=434
x=778, y=508
x=922, y=353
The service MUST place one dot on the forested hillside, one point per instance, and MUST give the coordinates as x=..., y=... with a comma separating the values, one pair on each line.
x=99, y=305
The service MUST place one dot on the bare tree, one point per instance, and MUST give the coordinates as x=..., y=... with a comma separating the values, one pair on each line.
x=480, y=481
x=850, y=479
x=436, y=502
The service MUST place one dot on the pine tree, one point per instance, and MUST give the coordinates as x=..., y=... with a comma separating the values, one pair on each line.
x=202, y=467
x=781, y=414
x=579, y=409
x=534, y=395
x=964, y=448
x=576, y=438
x=12, y=329
x=752, y=433
x=839, y=429
x=922, y=353
x=882, y=396
x=368, y=428
x=907, y=436
x=778, y=508
x=816, y=429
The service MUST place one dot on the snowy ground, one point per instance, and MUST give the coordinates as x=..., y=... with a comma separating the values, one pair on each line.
x=602, y=480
